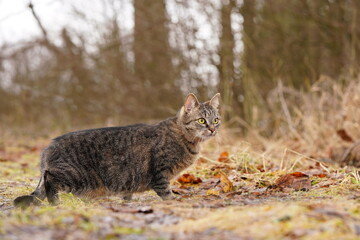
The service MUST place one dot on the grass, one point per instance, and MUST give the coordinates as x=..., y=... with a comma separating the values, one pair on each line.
x=329, y=210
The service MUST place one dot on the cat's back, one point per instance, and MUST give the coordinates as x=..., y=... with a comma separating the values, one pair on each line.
x=102, y=135
x=106, y=145
x=133, y=141
x=100, y=139
x=98, y=132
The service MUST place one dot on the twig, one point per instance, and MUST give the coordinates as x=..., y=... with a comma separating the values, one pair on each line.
x=296, y=161
x=208, y=159
x=42, y=28
x=31, y=6
x=309, y=158
x=282, y=159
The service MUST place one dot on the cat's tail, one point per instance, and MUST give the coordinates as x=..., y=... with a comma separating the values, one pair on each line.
x=34, y=198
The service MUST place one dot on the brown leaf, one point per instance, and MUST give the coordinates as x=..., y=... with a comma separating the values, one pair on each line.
x=188, y=178
x=260, y=167
x=213, y=191
x=344, y=135
x=298, y=174
x=34, y=149
x=320, y=175
x=297, y=180
x=224, y=157
x=4, y=160
x=180, y=191
x=223, y=167
x=225, y=184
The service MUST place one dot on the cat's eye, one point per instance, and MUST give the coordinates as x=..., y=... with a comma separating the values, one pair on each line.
x=201, y=120
x=216, y=121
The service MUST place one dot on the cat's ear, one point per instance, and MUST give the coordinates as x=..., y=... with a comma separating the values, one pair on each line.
x=215, y=101
x=190, y=103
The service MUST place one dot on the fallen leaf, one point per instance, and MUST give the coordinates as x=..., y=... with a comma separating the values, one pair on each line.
x=321, y=175
x=34, y=149
x=188, y=178
x=223, y=167
x=344, y=135
x=260, y=167
x=224, y=157
x=298, y=174
x=297, y=180
x=225, y=184
x=180, y=191
x=213, y=191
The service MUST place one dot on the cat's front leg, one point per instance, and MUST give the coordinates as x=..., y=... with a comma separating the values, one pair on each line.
x=161, y=186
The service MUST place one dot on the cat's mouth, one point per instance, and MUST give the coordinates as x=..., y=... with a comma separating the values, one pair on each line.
x=212, y=133
x=208, y=135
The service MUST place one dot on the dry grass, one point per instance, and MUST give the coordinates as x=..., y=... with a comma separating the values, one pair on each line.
x=306, y=122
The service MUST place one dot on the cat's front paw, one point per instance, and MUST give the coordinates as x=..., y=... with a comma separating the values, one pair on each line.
x=127, y=197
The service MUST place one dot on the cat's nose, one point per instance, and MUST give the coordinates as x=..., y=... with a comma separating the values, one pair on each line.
x=212, y=130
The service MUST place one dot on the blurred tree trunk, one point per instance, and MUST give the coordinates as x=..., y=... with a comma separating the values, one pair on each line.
x=230, y=87
x=153, y=63
x=252, y=92
x=118, y=83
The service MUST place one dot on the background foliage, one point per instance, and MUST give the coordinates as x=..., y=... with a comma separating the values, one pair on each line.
x=246, y=50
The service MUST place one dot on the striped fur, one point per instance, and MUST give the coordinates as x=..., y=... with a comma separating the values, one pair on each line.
x=124, y=160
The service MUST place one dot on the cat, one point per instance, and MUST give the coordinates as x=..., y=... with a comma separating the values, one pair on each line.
x=125, y=160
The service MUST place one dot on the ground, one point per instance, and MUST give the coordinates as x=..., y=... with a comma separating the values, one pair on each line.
x=231, y=192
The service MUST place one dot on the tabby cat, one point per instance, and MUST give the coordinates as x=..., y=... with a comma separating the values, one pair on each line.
x=126, y=159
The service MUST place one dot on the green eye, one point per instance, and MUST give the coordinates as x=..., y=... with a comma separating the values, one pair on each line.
x=216, y=121
x=201, y=120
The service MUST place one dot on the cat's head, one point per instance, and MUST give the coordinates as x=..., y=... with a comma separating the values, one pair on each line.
x=199, y=121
